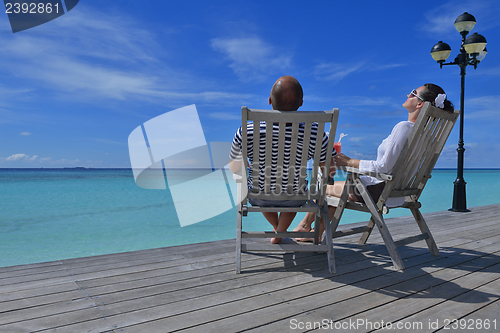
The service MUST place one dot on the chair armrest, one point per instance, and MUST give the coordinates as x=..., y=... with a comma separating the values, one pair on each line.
x=382, y=176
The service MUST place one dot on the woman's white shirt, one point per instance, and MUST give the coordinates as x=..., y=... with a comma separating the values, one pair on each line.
x=387, y=153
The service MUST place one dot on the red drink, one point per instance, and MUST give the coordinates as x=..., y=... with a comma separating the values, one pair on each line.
x=337, y=146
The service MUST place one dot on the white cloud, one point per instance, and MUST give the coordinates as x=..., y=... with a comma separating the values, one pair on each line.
x=336, y=72
x=366, y=101
x=356, y=139
x=360, y=155
x=107, y=141
x=225, y=116
x=251, y=57
x=102, y=56
x=384, y=67
x=21, y=157
x=87, y=56
x=440, y=20
x=485, y=107
x=23, y=160
x=491, y=71
x=25, y=133
x=349, y=125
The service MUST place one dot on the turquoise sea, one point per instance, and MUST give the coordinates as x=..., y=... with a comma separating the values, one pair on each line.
x=52, y=214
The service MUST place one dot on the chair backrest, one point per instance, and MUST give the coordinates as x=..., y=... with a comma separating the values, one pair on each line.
x=420, y=153
x=278, y=139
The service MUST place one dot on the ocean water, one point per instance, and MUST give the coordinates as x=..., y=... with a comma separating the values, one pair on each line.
x=53, y=214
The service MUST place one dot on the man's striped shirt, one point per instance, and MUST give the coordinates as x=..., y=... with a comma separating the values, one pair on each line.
x=236, y=151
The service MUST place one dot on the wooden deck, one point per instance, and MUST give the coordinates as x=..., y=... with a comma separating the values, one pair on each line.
x=193, y=288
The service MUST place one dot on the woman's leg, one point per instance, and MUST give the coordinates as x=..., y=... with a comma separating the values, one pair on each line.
x=306, y=223
x=334, y=190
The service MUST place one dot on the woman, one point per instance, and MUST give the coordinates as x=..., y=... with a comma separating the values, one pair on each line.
x=387, y=153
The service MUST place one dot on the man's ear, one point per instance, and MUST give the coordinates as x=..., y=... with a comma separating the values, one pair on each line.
x=270, y=102
x=301, y=102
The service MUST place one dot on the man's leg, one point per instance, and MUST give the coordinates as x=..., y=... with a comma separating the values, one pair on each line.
x=284, y=221
x=271, y=217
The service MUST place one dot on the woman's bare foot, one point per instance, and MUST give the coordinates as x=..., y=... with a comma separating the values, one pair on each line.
x=310, y=240
x=302, y=228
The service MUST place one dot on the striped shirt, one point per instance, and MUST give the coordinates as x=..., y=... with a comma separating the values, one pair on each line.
x=236, y=151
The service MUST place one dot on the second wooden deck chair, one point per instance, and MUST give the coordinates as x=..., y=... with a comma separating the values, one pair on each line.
x=271, y=131
x=410, y=174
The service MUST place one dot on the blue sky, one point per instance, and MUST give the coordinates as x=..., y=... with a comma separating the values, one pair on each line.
x=73, y=89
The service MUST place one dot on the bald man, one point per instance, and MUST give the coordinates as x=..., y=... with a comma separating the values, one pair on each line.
x=286, y=95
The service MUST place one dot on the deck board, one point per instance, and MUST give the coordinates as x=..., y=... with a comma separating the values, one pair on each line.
x=193, y=288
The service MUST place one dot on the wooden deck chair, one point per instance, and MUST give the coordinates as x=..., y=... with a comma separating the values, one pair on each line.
x=410, y=174
x=286, y=124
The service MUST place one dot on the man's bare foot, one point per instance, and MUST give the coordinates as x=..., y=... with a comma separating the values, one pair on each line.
x=275, y=240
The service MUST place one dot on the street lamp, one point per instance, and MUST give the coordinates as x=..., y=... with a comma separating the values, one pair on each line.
x=473, y=51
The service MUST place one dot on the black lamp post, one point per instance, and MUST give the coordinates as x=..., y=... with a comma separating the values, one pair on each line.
x=473, y=50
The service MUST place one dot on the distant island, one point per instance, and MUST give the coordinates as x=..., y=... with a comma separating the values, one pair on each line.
x=77, y=168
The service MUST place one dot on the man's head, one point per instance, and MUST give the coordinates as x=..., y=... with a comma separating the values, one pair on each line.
x=286, y=94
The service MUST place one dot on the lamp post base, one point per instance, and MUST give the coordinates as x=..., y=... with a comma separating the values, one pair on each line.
x=459, y=200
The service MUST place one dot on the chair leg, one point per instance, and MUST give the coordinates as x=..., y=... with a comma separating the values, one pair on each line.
x=238, y=239
x=342, y=203
x=317, y=236
x=329, y=244
x=366, y=234
x=431, y=244
x=382, y=227
x=389, y=243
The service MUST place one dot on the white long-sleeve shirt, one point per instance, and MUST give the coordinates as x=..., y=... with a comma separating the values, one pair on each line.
x=387, y=153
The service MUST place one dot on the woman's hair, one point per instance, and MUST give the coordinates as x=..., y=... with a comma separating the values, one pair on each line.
x=432, y=92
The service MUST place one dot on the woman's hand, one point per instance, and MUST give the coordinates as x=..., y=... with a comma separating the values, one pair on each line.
x=342, y=160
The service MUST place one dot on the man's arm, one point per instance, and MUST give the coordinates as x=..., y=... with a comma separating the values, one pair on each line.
x=235, y=166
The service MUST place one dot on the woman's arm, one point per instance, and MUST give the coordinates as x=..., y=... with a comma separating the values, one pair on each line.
x=342, y=160
x=389, y=150
x=387, y=153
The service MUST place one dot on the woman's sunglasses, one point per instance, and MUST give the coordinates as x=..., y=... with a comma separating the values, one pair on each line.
x=414, y=93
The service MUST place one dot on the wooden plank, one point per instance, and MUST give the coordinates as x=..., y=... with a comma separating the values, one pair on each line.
x=410, y=240
x=325, y=302
x=487, y=316
x=295, y=116
x=470, y=300
x=378, y=290
x=284, y=247
x=415, y=296
x=319, y=287
x=198, y=290
x=270, y=234
x=173, y=253
x=350, y=231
